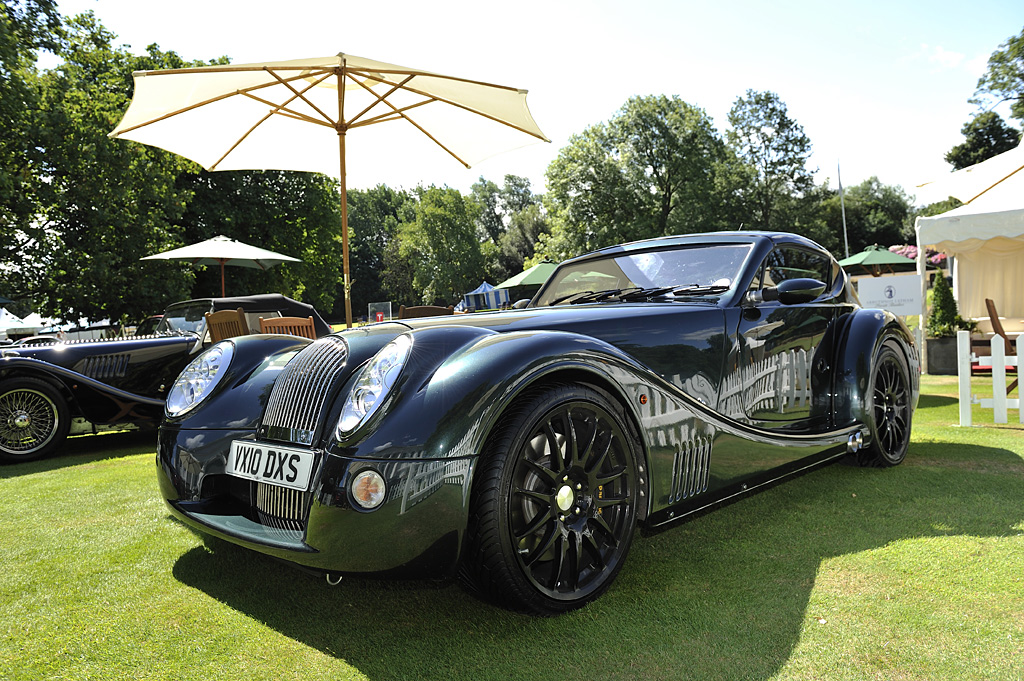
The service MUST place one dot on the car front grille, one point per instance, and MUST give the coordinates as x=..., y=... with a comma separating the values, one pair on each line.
x=280, y=508
x=299, y=394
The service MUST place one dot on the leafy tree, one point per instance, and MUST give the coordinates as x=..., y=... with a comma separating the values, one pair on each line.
x=105, y=203
x=292, y=213
x=987, y=135
x=442, y=245
x=375, y=217
x=25, y=28
x=1004, y=79
x=651, y=170
x=775, y=146
x=876, y=213
x=510, y=218
x=487, y=196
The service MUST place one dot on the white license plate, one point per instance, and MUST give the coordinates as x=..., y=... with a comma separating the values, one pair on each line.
x=283, y=466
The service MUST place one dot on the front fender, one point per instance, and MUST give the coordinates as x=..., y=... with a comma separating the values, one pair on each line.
x=239, y=399
x=861, y=338
x=458, y=382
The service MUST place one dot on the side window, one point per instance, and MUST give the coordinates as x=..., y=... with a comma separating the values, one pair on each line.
x=796, y=263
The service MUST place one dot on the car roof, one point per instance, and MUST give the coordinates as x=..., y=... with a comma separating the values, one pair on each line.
x=264, y=302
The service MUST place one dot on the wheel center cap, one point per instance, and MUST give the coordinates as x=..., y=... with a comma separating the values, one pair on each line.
x=21, y=419
x=565, y=498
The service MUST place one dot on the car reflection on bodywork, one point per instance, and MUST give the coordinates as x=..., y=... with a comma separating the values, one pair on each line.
x=522, y=449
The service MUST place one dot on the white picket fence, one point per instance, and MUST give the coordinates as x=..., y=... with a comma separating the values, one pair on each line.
x=998, y=361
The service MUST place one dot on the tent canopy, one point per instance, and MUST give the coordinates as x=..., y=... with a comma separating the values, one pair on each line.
x=484, y=297
x=986, y=237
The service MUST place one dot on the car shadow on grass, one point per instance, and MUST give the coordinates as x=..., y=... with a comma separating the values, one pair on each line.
x=724, y=596
x=87, y=449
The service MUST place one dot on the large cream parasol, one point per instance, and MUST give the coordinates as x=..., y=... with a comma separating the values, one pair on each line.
x=296, y=115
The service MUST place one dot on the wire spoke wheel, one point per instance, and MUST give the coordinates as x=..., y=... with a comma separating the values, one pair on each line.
x=33, y=419
x=567, y=489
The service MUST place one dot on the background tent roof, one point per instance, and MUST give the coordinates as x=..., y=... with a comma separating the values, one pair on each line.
x=986, y=236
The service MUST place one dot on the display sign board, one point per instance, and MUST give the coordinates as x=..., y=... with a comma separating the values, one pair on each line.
x=900, y=294
x=378, y=312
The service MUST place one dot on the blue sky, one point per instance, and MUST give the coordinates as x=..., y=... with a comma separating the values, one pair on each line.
x=881, y=88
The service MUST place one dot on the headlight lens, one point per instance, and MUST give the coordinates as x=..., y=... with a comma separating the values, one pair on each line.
x=374, y=383
x=199, y=379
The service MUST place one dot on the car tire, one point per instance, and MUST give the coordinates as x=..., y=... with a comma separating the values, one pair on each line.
x=889, y=409
x=34, y=419
x=554, y=502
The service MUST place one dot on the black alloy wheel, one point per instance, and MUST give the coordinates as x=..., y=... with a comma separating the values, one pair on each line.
x=889, y=400
x=555, y=501
x=34, y=419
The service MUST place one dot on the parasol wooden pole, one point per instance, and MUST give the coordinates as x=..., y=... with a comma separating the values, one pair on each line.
x=222, y=277
x=344, y=231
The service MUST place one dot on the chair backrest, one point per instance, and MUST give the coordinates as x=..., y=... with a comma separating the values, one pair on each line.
x=293, y=326
x=424, y=311
x=226, y=324
x=997, y=326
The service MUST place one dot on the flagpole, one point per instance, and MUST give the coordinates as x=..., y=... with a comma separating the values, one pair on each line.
x=842, y=208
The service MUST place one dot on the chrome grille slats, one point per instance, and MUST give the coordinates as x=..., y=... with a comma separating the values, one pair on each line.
x=280, y=508
x=300, y=392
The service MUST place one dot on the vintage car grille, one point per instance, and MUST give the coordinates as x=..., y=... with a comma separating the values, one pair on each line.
x=301, y=391
x=104, y=366
x=281, y=508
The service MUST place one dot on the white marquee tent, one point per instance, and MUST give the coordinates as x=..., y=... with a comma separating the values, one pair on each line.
x=985, y=236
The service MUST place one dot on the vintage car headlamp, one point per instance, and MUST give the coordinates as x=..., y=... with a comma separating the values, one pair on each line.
x=199, y=379
x=373, y=384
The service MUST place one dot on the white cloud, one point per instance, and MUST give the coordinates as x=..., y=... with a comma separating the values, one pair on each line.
x=940, y=56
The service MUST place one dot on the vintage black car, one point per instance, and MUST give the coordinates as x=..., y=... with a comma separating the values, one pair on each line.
x=522, y=449
x=50, y=388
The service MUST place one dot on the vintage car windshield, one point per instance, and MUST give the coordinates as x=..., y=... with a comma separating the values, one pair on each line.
x=184, y=318
x=706, y=269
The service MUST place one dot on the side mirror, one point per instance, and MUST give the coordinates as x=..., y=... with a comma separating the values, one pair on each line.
x=796, y=291
x=789, y=292
x=520, y=304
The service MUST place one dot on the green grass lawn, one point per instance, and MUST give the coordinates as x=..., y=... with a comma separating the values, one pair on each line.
x=915, y=572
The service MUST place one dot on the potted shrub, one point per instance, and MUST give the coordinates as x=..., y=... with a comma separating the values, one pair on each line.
x=943, y=323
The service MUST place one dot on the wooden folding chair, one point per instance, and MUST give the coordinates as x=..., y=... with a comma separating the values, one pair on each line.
x=424, y=311
x=226, y=324
x=292, y=326
x=997, y=328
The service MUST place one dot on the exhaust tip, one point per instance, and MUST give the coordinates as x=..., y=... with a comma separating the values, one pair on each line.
x=855, y=443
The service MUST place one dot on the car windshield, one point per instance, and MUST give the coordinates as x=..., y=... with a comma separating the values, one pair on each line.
x=184, y=318
x=703, y=270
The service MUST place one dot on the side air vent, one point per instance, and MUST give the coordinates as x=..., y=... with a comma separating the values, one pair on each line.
x=690, y=470
x=104, y=366
x=299, y=394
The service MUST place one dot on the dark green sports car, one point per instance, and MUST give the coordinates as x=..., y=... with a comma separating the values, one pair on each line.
x=522, y=449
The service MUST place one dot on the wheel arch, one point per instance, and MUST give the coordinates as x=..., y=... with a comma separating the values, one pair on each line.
x=615, y=393
x=865, y=331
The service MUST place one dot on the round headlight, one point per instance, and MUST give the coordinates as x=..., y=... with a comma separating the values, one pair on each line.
x=199, y=379
x=374, y=383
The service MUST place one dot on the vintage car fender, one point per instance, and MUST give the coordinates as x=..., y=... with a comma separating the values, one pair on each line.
x=861, y=335
x=237, y=403
x=92, y=399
